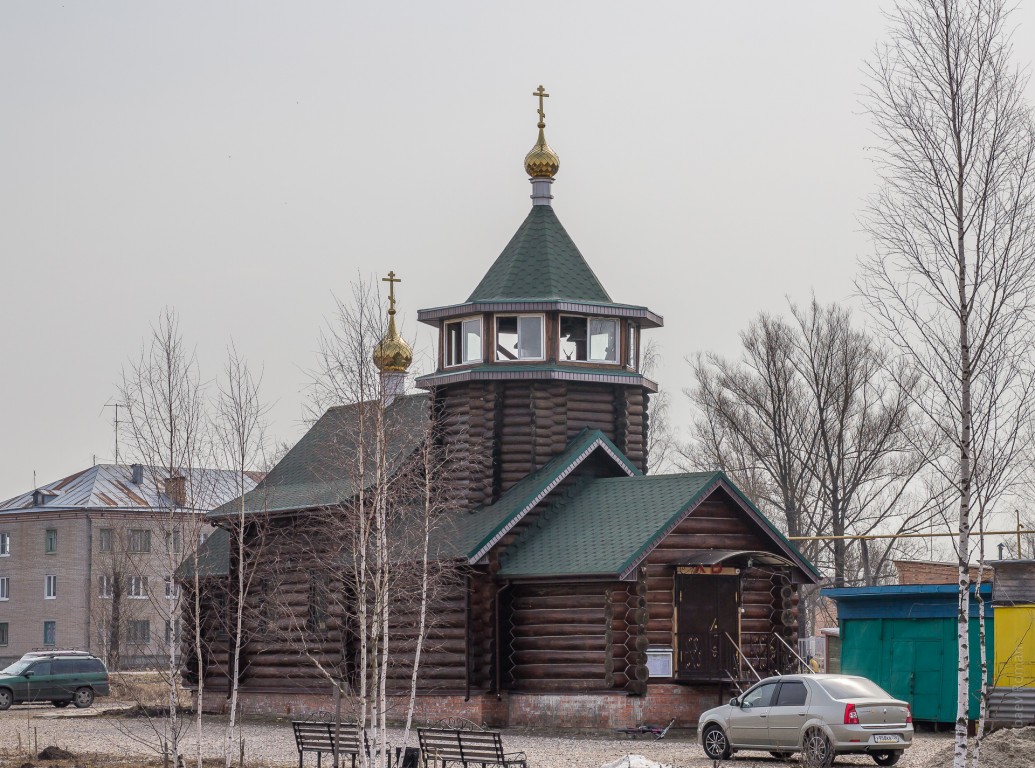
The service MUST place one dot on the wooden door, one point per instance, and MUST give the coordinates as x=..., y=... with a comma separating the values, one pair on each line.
x=707, y=609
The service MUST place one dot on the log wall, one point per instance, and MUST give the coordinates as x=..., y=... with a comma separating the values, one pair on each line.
x=502, y=431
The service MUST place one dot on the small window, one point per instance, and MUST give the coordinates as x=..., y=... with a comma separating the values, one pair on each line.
x=592, y=339
x=137, y=587
x=42, y=667
x=172, y=589
x=49, y=638
x=202, y=538
x=519, y=337
x=138, y=632
x=63, y=667
x=174, y=541
x=316, y=621
x=3, y=633
x=5, y=587
x=50, y=587
x=50, y=541
x=791, y=694
x=5, y=544
x=632, y=362
x=88, y=666
x=464, y=342
x=139, y=540
x=760, y=696
x=169, y=631
x=104, y=586
x=104, y=539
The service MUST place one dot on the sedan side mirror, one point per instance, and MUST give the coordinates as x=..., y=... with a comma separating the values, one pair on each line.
x=28, y=674
x=734, y=702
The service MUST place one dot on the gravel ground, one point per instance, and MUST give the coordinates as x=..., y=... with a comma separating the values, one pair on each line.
x=99, y=730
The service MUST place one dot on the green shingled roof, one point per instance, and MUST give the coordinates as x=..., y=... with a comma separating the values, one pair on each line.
x=608, y=526
x=540, y=262
x=470, y=535
x=213, y=558
x=317, y=471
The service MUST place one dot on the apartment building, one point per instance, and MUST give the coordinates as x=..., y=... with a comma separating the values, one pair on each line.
x=87, y=561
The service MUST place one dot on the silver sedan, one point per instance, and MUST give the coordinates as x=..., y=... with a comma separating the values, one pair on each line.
x=818, y=715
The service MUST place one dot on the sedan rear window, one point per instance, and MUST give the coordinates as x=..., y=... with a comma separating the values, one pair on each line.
x=853, y=688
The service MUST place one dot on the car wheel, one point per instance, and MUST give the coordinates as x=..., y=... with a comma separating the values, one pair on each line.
x=887, y=757
x=716, y=745
x=60, y=704
x=6, y=699
x=83, y=697
x=781, y=755
x=817, y=751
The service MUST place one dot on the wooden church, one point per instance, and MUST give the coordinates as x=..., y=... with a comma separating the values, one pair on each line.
x=592, y=594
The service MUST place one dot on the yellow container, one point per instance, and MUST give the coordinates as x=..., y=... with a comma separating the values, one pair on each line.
x=1014, y=646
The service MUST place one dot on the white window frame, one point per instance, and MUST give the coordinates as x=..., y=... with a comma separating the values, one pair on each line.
x=172, y=588
x=447, y=344
x=633, y=364
x=50, y=586
x=589, y=341
x=5, y=588
x=5, y=545
x=174, y=541
x=136, y=587
x=104, y=587
x=53, y=640
x=46, y=541
x=542, y=337
x=137, y=538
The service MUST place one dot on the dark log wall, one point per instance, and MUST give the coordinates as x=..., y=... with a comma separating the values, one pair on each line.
x=505, y=430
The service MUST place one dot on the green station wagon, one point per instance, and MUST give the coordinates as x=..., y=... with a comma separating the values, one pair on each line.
x=60, y=677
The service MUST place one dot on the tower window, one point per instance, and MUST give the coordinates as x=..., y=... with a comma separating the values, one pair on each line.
x=589, y=339
x=464, y=342
x=519, y=337
x=631, y=362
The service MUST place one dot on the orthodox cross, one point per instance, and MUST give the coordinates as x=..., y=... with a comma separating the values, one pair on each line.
x=542, y=94
x=391, y=280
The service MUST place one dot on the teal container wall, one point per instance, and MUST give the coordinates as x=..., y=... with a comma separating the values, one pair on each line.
x=916, y=660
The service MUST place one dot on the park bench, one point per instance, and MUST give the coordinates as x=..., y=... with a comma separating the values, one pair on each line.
x=469, y=747
x=318, y=737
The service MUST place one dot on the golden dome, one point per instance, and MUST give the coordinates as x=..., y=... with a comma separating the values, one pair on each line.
x=392, y=354
x=542, y=162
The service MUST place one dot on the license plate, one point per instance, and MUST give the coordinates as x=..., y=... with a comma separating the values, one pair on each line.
x=885, y=738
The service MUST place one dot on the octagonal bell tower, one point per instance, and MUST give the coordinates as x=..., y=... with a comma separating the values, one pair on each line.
x=538, y=352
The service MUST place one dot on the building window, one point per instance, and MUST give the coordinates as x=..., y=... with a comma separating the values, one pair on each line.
x=104, y=586
x=202, y=538
x=3, y=633
x=50, y=633
x=464, y=341
x=137, y=587
x=589, y=339
x=138, y=632
x=174, y=541
x=519, y=337
x=5, y=587
x=50, y=541
x=172, y=589
x=104, y=539
x=50, y=587
x=139, y=540
x=5, y=544
x=316, y=621
x=632, y=361
x=169, y=631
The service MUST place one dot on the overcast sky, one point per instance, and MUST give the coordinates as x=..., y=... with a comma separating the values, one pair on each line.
x=242, y=162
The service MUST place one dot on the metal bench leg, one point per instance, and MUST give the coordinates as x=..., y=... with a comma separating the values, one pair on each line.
x=319, y=759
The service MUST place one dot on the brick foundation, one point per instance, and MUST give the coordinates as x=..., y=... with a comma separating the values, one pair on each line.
x=593, y=711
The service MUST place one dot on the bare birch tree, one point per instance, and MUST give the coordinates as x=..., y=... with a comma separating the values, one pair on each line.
x=240, y=438
x=952, y=278
x=163, y=391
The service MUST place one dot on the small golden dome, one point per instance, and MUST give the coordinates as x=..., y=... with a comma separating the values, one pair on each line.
x=392, y=354
x=542, y=162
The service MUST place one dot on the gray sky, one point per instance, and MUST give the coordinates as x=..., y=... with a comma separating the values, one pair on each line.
x=241, y=161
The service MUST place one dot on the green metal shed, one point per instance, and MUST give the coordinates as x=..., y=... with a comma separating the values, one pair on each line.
x=903, y=637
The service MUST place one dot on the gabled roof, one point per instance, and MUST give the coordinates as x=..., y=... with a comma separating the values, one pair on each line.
x=540, y=262
x=111, y=487
x=612, y=524
x=213, y=558
x=473, y=535
x=317, y=471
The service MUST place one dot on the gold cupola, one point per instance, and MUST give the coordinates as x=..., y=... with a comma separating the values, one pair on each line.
x=542, y=162
x=392, y=354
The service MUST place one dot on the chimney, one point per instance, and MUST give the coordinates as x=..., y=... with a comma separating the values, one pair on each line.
x=138, y=473
x=176, y=490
